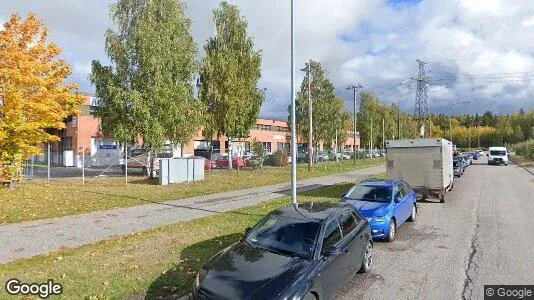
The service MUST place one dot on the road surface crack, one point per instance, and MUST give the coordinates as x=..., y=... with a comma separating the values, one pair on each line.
x=473, y=257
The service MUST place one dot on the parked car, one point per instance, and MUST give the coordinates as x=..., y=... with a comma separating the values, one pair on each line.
x=497, y=156
x=465, y=162
x=458, y=167
x=511, y=152
x=307, y=253
x=138, y=158
x=302, y=157
x=386, y=204
x=222, y=162
x=321, y=156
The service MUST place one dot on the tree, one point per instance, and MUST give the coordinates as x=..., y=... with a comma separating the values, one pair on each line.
x=327, y=108
x=259, y=151
x=148, y=92
x=230, y=73
x=333, y=121
x=33, y=96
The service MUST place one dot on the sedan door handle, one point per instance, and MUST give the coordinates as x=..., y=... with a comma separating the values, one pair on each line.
x=361, y=237
x=346, y=250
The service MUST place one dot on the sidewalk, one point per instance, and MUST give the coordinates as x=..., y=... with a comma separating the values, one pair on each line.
x=27, y=239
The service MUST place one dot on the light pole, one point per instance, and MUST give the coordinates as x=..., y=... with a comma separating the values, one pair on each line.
x=478, y=134
x=310, y=117
x=354, y=88
x=293, y=123
x=450, y=117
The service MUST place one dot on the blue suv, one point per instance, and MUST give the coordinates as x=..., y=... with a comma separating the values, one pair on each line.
x=386, y=204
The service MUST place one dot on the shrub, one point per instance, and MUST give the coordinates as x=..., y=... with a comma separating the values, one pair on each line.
x=525, y=149
x=281, y=158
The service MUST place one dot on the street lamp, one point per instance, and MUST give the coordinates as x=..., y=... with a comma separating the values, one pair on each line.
x=293, y=125
x=450, y=115
x=354, y=88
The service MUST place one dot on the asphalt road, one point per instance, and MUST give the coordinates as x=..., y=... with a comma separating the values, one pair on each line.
x=482, y=234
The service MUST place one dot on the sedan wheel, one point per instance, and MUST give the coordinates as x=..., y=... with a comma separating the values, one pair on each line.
x=391, y=232
x=367, y=258
x=413, y=215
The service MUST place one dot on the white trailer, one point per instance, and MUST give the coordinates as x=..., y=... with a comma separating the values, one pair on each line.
x=425, y=164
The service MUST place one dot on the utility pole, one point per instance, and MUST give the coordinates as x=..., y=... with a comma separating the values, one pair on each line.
x=469, y=132
x=383, y=135
x=478, y=134
x=398, y=123
x=310, y=116
x=48, y=162
x=371, y=145
x=354, y=88
x=335, y=151
x=421, y=97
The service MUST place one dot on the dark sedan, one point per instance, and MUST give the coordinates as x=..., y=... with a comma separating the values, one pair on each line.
x=307, y=253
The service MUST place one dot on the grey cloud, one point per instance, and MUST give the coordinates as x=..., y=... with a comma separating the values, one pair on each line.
x=365, y=41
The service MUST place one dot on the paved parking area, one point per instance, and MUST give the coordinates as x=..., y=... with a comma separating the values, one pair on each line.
x=481, y=235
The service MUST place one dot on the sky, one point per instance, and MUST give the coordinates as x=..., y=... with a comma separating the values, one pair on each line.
x=475, y=50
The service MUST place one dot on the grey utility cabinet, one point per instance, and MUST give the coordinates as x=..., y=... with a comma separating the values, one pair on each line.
x=181, y=169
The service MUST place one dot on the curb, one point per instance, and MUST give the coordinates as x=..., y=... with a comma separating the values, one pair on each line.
x=524, y=168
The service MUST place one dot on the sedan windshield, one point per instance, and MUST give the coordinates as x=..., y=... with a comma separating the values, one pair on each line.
x=285, y=236
x=370, y=193
x=497, y=153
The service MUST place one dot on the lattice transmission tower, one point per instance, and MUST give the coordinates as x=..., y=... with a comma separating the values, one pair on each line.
x=421, y=98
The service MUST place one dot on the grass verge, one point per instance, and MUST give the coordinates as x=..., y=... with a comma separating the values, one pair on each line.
x=156, y=264
x=523, y=161
x=37, y=199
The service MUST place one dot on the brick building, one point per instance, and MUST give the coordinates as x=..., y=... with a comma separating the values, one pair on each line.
x=84, y=132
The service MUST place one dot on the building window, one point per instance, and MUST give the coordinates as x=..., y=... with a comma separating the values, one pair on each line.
x=92, y=110
x=282, y=146
x=267, y=146
x=66, y=143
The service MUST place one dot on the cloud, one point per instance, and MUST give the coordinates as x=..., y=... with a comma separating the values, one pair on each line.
x=477, y=49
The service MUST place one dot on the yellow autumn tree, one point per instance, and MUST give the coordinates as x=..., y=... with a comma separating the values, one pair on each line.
x=33, y=96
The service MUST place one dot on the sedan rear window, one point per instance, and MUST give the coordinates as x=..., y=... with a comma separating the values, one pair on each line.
x=284, y=235
x=332, y=235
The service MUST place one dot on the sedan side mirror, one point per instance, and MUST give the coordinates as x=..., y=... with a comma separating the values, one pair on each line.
x=331, y=251
x=487, y=155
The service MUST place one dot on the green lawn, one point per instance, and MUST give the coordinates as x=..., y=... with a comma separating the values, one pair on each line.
x=38, y=199
x=161, y=262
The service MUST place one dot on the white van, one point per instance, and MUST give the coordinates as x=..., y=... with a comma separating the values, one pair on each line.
x=497, y=156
